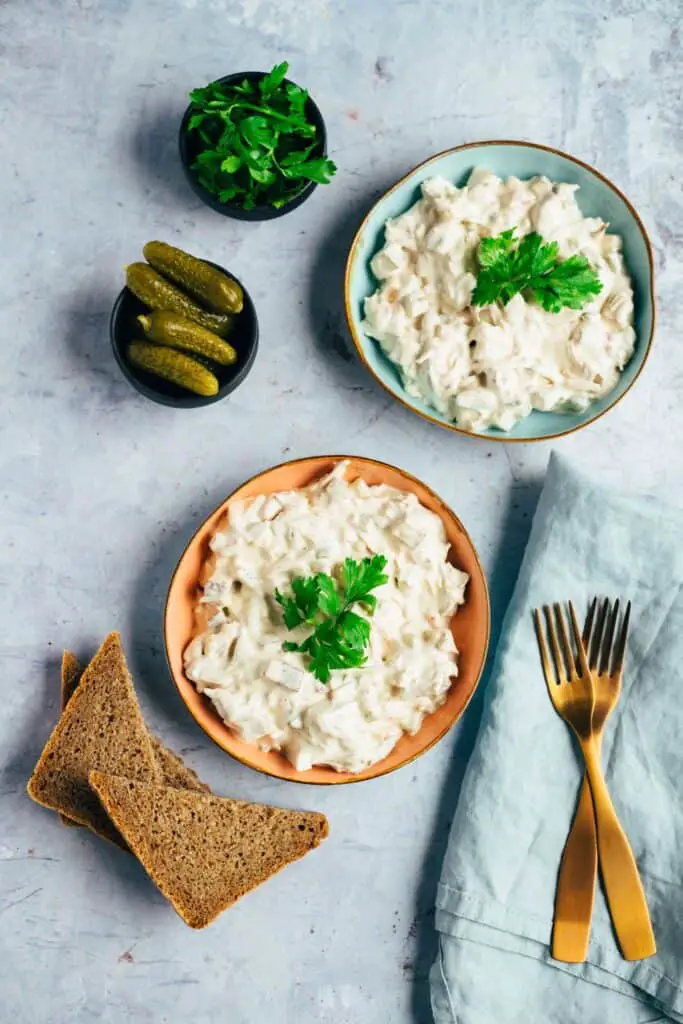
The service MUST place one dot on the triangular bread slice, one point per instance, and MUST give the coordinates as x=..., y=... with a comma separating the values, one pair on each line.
x=101, y=727
x=72, y=670
x=205, y=851
x=174, y=770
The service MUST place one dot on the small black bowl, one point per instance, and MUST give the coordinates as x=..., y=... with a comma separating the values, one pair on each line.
x=123, y=328
x=190, y=147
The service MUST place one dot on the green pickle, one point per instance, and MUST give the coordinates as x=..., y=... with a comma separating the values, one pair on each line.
x=173, y=366
x=205, y=283
x=157, y=293
x=177, y=331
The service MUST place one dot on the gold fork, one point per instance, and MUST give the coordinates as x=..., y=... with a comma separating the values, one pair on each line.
x=578, y=869
x=572, y=692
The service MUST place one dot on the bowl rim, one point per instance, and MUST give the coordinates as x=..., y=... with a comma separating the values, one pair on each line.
x=332, y=781
x=194, y=401
x=261, y=211
x=499, y=437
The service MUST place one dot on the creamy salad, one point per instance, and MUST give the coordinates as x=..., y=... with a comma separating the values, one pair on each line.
x=268, y=695
x=490, y=366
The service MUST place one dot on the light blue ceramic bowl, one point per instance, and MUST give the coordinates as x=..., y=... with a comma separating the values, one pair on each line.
x=597, y=197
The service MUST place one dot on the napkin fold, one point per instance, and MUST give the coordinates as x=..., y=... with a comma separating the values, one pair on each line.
x=497, y=888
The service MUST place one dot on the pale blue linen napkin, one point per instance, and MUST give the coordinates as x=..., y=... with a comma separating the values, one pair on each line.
x=495, y=898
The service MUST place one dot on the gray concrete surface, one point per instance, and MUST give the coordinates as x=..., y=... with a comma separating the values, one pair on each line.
x=101, y=489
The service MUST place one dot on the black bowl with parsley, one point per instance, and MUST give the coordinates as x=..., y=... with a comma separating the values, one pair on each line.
x=253, y=145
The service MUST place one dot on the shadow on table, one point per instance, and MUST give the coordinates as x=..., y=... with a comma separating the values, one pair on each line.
x=517, y=523
x=154, y=152
x=326, y=296
x=19, y=761
x=147, y=654
x=86, y=337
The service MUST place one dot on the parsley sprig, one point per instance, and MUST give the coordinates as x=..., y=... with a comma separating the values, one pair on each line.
x=509, y=265
x=340, y=636
x=256, y=142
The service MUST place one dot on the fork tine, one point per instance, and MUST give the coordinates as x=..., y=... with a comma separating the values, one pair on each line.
x=580, y=649
x=609, y=637
x=545, y=658
x=620, y=648
x=588, y=627
x=560, y=671
x=596, y=645
x=564, y=639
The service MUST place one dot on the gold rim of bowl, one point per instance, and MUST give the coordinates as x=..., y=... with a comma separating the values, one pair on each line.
x=301, y=775
x=502, y=438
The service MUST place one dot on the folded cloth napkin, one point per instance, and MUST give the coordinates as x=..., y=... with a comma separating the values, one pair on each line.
x=495, y=898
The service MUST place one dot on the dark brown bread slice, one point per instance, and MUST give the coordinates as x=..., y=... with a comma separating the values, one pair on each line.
x=72, y=670
x=174, y=770
x=205, y=851
x=101, y=727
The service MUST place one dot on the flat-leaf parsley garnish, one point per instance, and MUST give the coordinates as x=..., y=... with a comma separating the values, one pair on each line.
x=340, y=636
x=509, y=266
x=257, y=143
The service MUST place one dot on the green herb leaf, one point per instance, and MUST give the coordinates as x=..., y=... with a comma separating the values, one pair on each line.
x=226, y=195
x=290, y=612
x=340, y=637
x=508, y=267
x=256, y=131
x=354, y=630
x=263, y=176
x=361, y=577
x=328, y=598
x=571, y=283
x=231, y=164
x=208, y=158
x=306, y=593
x=298, y=98
x=313, y=170
x=494, y=253
x=273, y=80
x=296, y=157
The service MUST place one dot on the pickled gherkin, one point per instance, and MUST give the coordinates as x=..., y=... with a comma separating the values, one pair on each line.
x=173, y=366
x=177, y=331
x=205, y=283
x=157, y=293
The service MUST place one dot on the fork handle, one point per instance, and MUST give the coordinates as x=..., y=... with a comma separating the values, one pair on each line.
x=623, y=888
x=575, y=893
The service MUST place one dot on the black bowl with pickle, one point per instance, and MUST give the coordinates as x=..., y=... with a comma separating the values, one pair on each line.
x=172, y=344
x=253, y=145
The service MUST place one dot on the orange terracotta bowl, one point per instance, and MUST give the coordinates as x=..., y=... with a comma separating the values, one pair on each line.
x=471, y=625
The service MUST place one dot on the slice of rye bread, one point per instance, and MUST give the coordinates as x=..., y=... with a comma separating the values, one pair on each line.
x=174, y=770
x=204, y=852
x=101, y=727
x=72, y=670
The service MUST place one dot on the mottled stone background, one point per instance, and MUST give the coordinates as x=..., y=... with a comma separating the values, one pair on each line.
x=101, y=489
